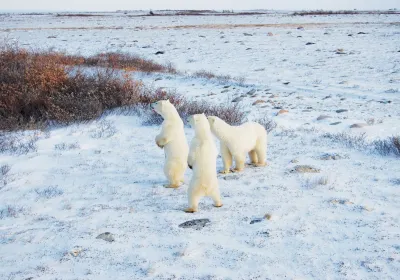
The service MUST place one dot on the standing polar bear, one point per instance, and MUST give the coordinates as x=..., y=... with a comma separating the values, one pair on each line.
x=202, y=159
x=237, y=141
x=172, y=138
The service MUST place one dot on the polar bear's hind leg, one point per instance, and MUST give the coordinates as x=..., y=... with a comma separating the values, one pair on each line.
x=216, y=197
x=194, y=198
x=174, y=172
x=253, y=157
x=261, y=150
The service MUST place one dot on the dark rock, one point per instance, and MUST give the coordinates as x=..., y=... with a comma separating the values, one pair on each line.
x=225, y=90
x=341, y=111
x=247, y=34
x=331, y=156
x=257, y=220
x=286, y=83
x=304, y=169
x=323, y=117
x=231, y=177
x=195, y=224
x=335, y=123
x=361, y=33
x=251, y=91
x=310, y=43
x=106, y=236
x=159, y=52
x=237, y=99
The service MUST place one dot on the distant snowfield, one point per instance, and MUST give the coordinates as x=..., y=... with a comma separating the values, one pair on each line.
x=106, y=176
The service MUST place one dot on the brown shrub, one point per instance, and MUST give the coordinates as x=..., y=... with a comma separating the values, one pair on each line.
x=39, y=88
x=127, y=62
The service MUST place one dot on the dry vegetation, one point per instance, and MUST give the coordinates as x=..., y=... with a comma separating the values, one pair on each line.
x=41, y=88
x=343, y=12
x=386, y=147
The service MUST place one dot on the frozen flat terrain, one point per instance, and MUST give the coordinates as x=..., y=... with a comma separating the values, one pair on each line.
x=106, y=176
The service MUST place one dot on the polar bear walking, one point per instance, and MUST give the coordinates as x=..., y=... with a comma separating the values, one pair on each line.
x=202, y=159
x=172, y=138
x=237, y=141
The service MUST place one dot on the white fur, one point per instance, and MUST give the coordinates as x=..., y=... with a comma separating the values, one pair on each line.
x=237, y=141
x=172, y=138
x=202, y=159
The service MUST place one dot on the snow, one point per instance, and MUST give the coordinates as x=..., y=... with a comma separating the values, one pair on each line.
x=106, y=175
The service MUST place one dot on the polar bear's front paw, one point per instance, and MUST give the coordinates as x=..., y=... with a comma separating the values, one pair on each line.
x=171, y=186
x=237, y=169
x=225, y=171
x=218, y=205
x=159, y=145
x=190, y=210
x=260, y=164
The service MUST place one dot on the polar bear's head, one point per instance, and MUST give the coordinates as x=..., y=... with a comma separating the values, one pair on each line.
x=216, y=124
x=164, y=108
x=200, y=124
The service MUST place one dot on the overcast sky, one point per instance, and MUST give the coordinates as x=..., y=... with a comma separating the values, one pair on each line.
x=112, y=5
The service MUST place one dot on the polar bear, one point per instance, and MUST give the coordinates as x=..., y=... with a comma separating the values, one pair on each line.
x=172, y=138
x=236, y=141
x=203, y=160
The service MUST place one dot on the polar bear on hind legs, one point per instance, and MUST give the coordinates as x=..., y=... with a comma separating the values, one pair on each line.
x=237, y=141
x=172, y=138
x=203, y=160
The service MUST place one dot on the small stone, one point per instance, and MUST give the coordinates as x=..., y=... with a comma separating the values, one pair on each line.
x=158, y=79
x=331, y=156
x=341, y=111
x=367, y=208
x=310, y=43
x=282, y=111
x=294, y=160
x=106, y=236
x=361, y=33
x=159, y=52
x=300, y=28
x=258, y=102
x=195, y=224
x=226, y=86
x=237, y=99
x=267, y=216
x=323, y=117
x=335, y=123
x=231, y=177
x=286, y=83
x=76, y=251
x=225, y=90
x=305, y=169
x=358, y=125
x=257, y=220
x=251, y=91
x=247, y=34
x=270, y=34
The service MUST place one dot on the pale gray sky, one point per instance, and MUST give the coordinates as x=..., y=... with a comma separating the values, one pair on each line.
x=112, y=5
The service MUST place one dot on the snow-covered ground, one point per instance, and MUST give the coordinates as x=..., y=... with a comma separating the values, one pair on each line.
x=106, y=176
